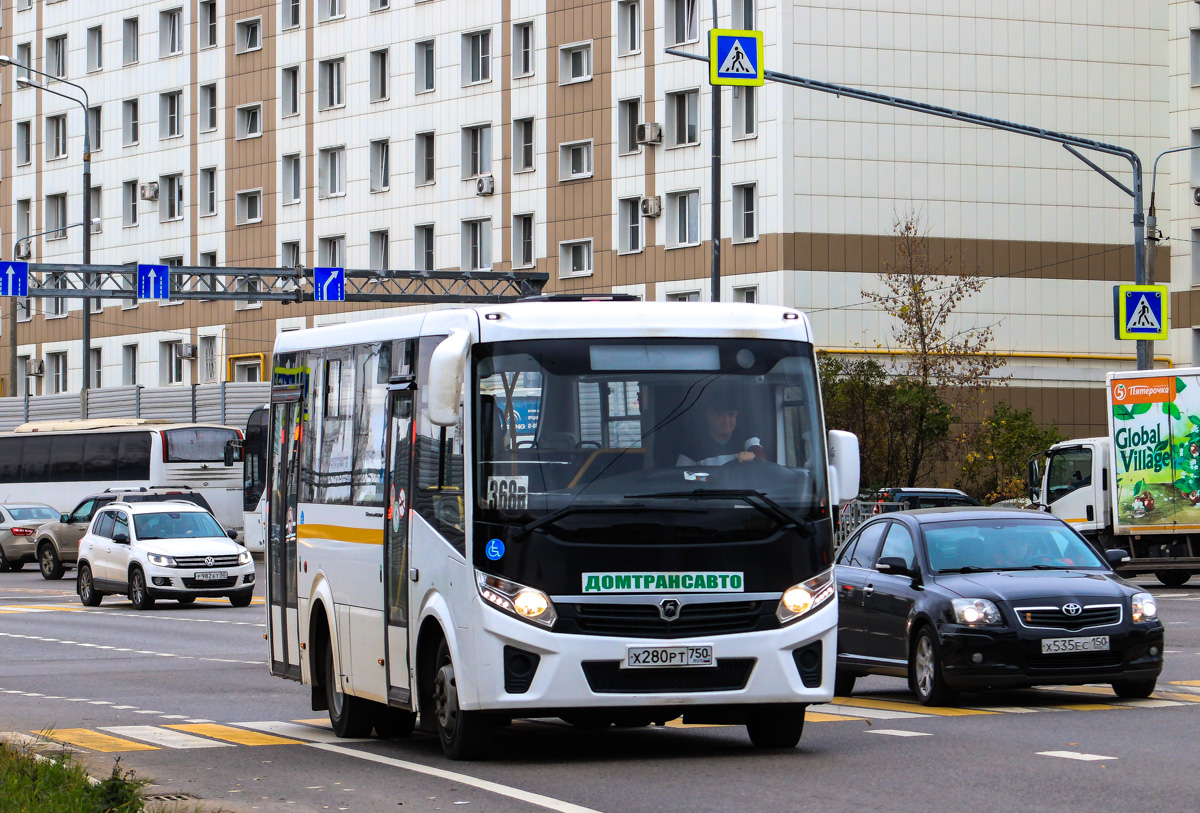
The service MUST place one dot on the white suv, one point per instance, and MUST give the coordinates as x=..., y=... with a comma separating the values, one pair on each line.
x=173, y=550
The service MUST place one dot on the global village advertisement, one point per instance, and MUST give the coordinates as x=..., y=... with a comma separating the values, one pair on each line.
x=1156, y=437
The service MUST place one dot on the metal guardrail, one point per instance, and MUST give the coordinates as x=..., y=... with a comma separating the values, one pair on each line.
x=855, y=513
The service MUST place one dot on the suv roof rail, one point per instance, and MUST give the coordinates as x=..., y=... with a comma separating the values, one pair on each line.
x=581, y=298
x=125, y=489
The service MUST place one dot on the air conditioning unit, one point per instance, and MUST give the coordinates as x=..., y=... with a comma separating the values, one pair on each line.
x=149, y=190
x=1196, y=189
x=652, y=207
x=649, y=133
x=186, y=351
x=35, y=367
x=485, y=185
x=23, y=252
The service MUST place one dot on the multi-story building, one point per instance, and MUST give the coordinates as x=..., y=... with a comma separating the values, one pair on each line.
x=560, y=136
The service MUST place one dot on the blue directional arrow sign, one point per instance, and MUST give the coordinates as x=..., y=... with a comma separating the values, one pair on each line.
x=735, y=57
x=329, y=284
x=14, y=279
x=154, y=281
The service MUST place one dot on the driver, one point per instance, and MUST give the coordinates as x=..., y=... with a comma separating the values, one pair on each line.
x=720, y=441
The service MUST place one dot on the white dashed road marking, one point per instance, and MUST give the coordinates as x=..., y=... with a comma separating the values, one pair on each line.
x=139, y=652
x=877, y=714
x=164, y=737
x=297, y=732
x=898, y=732
x=1075, y=755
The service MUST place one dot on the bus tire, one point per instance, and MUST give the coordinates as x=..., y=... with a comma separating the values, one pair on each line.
x=394, y=724
x=139, y=593
x=49, y=563
x=349, y=716
x=464, y=734
x=775, y=726
x=242, y=599
x=87, y=588
x=1173, y=578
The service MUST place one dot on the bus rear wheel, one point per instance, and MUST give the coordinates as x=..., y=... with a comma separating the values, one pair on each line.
x=349, y=716
x=464, y=734
x=1173, y=578
x=775, y=726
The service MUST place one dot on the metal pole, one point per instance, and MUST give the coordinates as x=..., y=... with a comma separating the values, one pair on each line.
x=12, y=345
x=87, y=252
x=715, y=271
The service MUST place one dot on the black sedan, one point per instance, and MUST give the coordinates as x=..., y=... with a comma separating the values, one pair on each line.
x=979, y=598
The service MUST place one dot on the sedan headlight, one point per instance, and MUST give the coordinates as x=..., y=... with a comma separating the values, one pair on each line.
x=976, y=612
x=244, y=558
x=1144, y=607
x=803, y=598
x=160, y=561
x=526, y=603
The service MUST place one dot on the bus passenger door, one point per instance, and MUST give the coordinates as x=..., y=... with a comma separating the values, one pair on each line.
x=283, y=511
x=396, y=562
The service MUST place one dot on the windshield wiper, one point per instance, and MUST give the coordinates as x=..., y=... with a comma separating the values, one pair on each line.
x=549, y=519
x=753, y=497
x=967, y=569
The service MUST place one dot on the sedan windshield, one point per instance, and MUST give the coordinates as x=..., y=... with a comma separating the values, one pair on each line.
x=175, y=525
x=33, y=512
x=1006, y=544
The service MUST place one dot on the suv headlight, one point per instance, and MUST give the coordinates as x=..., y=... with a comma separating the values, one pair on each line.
x=805, y=597
x=160, y=561
x=1144, y=607
x=526, y=603
x=244, y=558
x=976, y=612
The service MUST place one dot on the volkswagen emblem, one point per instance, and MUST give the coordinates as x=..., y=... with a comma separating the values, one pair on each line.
x=1072, y=609
x=208, y=562
x=668, y=608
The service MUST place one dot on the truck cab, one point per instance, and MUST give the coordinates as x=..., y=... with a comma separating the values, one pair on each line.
x=1070, y=481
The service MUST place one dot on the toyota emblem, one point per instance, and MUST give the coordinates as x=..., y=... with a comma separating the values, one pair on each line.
x=668, y=608
x=1072, y=609
x=208, y=562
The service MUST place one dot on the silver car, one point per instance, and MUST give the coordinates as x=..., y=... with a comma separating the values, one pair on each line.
x=18, y=526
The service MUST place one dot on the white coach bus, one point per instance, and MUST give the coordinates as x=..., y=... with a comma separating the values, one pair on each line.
x=62, y=462
x=655, y=540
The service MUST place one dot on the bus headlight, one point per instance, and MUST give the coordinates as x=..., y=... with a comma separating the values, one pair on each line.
x=244, y=558
x=803, y=598
x=526, y=603
x=160, y=561
x=1144, y=607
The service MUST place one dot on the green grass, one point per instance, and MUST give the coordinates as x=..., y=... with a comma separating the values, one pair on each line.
x=61, y=785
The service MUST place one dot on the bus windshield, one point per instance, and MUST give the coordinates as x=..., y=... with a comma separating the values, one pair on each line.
x=198, y=444
x=707, y=440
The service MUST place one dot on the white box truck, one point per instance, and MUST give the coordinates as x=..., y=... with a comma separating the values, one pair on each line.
x=1138, y=488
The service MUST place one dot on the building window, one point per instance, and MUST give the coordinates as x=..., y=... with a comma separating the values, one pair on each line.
x=207, y=282
x=95, y=130
x=629, y=27
x=58, y=305
x=682, y=22
x=477, y=150
x=331, y=252
x=423, y=247
x=424, y=66
x=24, y=57
x=208, y=358
x=289, y=254
x=57, y=364
x=477, y=244
x=424, y=169
x=22, y=386
x=129, y=41
x=683, y=118
x=249, y=206
x=249, y=35
x=523, y=155
x=332, y=73
x=380, y=81
x=170, y=32
x=745, y=112
x=683, y=218
x=575, y=161
x=129, y=365
x=330, y=9
x=575, y=258
x=24, y=224
x=170, y=115
x=129, y=122
x=208, y=191
x=630, y=241
x=208, y=108
x=575, y=63
x=290, y=101
x=523, y=241
x=56, y=136
x=56, y=217
x=24, y=145
x=95, y=204
x=523, y=49
x=683, y=296
x=291, y=13
x=97, y=365
x=747, y=294
x=208, y=24
x=745, y=212
x=379, y=250
x=249, y=121
x=95, y=49
x=380, y=5
x=291, y=179
x=56, y=56
x=129, y=203
x=246, y=285
x=743, y=15
x=381, y=172
x=333, y=171
x=170, y=363
x=170, y=200
x=629, y=112
x=477, y=57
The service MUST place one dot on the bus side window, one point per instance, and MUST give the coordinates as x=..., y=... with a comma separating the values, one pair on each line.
x=439, y=462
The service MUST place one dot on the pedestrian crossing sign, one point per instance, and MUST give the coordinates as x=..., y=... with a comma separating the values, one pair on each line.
x=735, y=57
x=1141, y=312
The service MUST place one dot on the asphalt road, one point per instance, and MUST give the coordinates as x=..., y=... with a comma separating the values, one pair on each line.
x=189, y=687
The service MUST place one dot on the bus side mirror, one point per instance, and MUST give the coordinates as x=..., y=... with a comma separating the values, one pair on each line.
x=843, y=467
x=447, y=368
x=1033, y=477
x=233, y=452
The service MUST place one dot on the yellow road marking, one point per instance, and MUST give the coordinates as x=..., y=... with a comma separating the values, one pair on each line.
x=819, y=717
x=1087, y=706
x=915, y=708
x=320, y=722
x=94, y=740
x=1185, y=682
x=1190, y=698
x=230, y=734
x=679, y=723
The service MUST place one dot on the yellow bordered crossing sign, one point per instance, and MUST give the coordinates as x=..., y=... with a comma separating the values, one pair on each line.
x=735, y=57
x=1141, y=312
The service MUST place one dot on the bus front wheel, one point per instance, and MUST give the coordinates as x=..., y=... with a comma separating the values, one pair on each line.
x=349, y=716
x=775, y=726
x=464, y=734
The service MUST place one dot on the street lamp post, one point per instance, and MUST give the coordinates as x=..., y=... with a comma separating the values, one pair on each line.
x=25, y=81
x=1153, y=235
